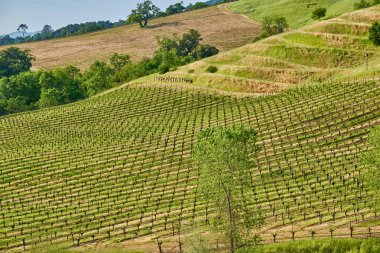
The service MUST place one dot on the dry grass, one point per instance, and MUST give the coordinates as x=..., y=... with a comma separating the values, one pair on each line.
x=218, y=27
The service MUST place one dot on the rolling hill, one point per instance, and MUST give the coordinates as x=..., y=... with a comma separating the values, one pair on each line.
x=114, y=169
x=222, y=29
x=334, y=48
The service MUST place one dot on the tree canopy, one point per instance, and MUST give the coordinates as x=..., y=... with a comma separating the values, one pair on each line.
x=14, y=61
x=225, y=158
x=374, y=33
x=319, y=13
x=143, y=12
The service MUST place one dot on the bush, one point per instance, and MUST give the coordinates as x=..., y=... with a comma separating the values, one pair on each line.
x=212, y=69
x=374, y=33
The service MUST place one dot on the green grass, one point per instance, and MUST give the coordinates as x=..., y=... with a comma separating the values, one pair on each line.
x=295, y=11
x=320, y=246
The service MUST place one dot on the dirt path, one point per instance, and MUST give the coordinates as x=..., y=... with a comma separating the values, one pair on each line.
x=224, y=9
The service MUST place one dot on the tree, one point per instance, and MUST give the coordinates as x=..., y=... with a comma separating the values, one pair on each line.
x=97, y=78
x=143, y=13
x=374, y=33
x=204, y=51
x=118, y=61
x=14, y=61
x=47, y=32
x=175, y=8
x=197, y=6
x=24, y=85
x=319, y=13
x=49, y=98
x=273, y=26
x=22, y=29
x=189, y=42
x=225, y=157
x=372, y=161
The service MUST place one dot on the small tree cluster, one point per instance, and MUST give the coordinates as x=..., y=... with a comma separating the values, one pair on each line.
x=319, y=13
x=273, y=26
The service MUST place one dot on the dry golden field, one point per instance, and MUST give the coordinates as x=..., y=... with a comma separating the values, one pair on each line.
x=218, y=27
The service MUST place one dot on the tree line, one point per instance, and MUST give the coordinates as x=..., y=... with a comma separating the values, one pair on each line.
x=144, y=11
x=23, y=90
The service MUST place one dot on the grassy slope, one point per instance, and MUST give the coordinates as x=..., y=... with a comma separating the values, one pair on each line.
x=218, y=27
x=295, y=11
x=323, y=50
x=118, y=162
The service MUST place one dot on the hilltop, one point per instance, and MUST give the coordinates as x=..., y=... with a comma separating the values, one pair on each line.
x=297, y=12
x=333, y=48
x=218, y=27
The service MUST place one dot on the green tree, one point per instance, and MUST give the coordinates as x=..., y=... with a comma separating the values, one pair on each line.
x=118, y=61
x=319, y=13
x=175, y=8
x=372, y=161
x=22, y=29
x=49, y=98
x=273, y=26
x=197, y=6
x=204, y=51
x=97, y=78
x=189, y=42
x=25, y=85
x=14, y=61
x=143, y=13
x=225, y=158
x=47, y=32
x=374, y=33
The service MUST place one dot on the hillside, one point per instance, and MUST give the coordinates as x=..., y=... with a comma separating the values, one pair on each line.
x=297, y=12
x=333, y=48
x=222, y=29
x=115, y=167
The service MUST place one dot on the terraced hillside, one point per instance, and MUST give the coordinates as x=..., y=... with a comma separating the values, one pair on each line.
x=297, y=12
x=115, y=167
x=218, y=27
x=333, y=48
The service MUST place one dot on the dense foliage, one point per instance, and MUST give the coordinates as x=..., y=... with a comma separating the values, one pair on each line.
x=21, y=90
x=69, y=30
x=319, y=13
x=374, y=33
x=14, y=61
x=365, y=4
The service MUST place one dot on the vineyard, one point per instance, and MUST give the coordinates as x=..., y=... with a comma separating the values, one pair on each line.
x=116, y=167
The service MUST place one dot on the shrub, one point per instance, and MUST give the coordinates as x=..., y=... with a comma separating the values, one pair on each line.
x=212, y=69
